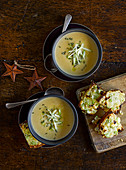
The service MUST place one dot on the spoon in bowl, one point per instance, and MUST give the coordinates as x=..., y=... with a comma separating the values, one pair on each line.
x=48, y=63
x=53, y=90
x=68, y=18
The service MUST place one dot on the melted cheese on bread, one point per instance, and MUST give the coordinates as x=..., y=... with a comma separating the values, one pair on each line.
x=89, y=99
x=88, y=105
x=113, y=100
x=32, y=142
x=109, y=125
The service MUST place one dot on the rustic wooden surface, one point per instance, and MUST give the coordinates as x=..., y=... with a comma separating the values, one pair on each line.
x=24, y=26
x=105, y=144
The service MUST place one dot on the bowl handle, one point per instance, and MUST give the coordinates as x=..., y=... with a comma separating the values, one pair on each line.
x=54, y=90
x=49, y=64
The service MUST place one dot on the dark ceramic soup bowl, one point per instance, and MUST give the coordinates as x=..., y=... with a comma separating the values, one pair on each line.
x=47, y=141
x=56, y=67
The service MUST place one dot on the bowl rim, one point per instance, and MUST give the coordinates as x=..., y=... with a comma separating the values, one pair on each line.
x=94, y=37
x=72, y=23
x=59, y=141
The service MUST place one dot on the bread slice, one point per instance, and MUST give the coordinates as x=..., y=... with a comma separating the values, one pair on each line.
x=94, y=92
x=82, y=94
x=113, y=100
x=88, y=105
x=109, y=125
x=32, y=142
x=89, y=99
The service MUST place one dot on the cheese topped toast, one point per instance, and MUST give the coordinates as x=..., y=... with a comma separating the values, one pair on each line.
x=32, y=142
x=113, y=100
x=94, y=92
x=110, y=102
x=109, y=125
x=89, y=99
x=88, y=105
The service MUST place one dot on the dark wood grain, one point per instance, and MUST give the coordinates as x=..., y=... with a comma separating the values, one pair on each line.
x=24, y=26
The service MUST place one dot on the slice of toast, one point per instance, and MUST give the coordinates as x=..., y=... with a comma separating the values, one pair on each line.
x=88, y=105
x=32, y=142
x=89, y=99
x=113, y=100
x=94, y=92
x=109, y=125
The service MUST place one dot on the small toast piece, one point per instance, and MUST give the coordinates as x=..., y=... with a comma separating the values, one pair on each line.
x=113, y=100
x=89, y=99
x=109, y=125
x=88, y=105
x=94, y=92
x=32, y=142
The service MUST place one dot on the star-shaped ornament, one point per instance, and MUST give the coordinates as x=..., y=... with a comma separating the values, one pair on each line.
x=11, y=71
x=35, y=80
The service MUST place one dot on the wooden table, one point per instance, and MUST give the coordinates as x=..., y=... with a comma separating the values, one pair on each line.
x=24, y=26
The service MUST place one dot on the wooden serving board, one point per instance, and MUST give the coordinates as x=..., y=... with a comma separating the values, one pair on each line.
x=104, y=144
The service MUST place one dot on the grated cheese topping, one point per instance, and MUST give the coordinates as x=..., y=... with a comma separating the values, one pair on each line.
x=110, y=126
x=89, y=103
x=113, y=100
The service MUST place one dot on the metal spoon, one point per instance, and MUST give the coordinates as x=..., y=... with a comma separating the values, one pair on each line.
x=48, y=62
x=68, y=18
x=15, y=104
x=52, y=90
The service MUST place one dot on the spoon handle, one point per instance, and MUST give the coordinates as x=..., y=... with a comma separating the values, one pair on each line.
x=12, y=105
x=68, y=18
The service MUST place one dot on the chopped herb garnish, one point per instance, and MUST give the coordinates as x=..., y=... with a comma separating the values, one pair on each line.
x=46, y=133
x=70, y=38
x=68, y=125
x=59, y=46
x=84, y=67
x=66, y=38
x=39, y=108
x=52, y=118
x=59, y=112
x=77, y=53
x=32, y=112
x=71, y=44
x=63, y=53
x=42, y=121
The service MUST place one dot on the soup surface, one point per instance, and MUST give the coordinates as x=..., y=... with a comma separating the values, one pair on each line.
x=76, y=53
x=52, y=118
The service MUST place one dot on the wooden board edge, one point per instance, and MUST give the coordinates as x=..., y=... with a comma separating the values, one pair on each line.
x=108, y=149
x=77, y=94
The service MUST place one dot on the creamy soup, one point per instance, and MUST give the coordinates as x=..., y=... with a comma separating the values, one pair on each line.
x=52, y=118
x=76, y=53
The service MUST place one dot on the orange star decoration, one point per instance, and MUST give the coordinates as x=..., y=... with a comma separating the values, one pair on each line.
x=11, y=71
x=35, y=80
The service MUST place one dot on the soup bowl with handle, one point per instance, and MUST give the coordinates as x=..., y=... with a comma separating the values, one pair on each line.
x=51, y=64
x=53, y=92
